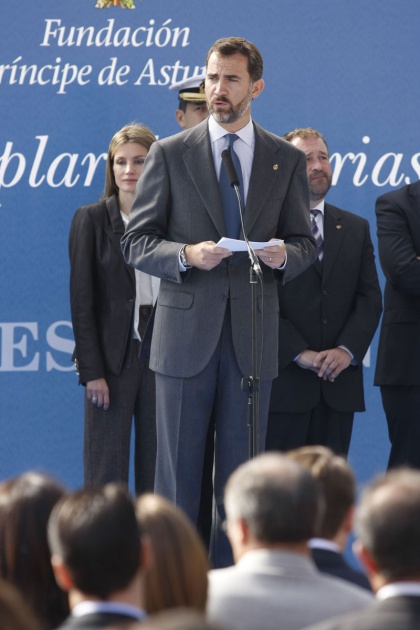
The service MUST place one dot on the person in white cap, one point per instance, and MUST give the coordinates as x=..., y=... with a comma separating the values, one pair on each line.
x=192, y=101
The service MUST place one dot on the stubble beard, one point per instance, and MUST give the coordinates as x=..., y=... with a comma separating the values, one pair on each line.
x=235, y=113
x=318, y=191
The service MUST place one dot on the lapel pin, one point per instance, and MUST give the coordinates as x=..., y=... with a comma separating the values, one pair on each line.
x=338, y=227
x=275, y=167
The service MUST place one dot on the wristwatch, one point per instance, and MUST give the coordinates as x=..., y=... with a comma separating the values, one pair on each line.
x=183, y=258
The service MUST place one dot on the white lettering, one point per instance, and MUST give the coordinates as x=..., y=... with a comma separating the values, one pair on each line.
x=392, y=178
x=37, y=162
x=106, y=36
x=63, y=76
x=416, y=165
x=61, y=344
x=93, y=165
x=67, y=177
x=5, y=160
x=110, y=75
x=147, y=72
x=10, y=345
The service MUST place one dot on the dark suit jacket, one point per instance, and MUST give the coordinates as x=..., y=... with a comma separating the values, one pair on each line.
x=395, y=613
x=102, y=290
x=97, y=620
x=333, y=563
x=178, y=201
x=398, y=219
x=336, y=303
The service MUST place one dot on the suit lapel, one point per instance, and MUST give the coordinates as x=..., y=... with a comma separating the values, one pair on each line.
x=414, y=196
x=334, y=234
x=198, y=159
x=266, y=168
x=116, y=229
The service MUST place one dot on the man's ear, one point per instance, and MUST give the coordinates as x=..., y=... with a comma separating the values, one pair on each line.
x=61, y=573
x=257, y=88
x=365, y=557
x=348, y=520
x=238, y=530
x=180, y=118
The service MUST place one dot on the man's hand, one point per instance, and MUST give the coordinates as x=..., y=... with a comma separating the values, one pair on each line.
x=306, y=360
x=273, y=256
x=330, y=363
x=97, y=393
x=206, y=255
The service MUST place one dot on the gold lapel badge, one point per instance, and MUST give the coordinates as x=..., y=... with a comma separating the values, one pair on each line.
x=275, y=167
x=338, y=227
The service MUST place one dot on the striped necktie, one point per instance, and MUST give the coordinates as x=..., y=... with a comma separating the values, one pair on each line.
x=317, y=233
x=229, y=198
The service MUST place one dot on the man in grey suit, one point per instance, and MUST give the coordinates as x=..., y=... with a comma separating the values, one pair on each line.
x=388, y=544
x=272, y=506
x=201, y=342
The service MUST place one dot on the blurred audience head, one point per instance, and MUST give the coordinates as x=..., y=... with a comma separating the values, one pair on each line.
x=178, y=573
x=95, y=542
x=338, y=486
x=271, y=501
x=15, y=614
x=387, y=526
x=26, y=502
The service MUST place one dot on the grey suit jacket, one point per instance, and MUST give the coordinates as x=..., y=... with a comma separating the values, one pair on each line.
x=178, y=202
x=269, y=590
x=394, y=613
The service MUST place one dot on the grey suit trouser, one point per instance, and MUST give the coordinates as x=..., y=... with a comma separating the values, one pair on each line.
x=107, y=433
x=183, y=413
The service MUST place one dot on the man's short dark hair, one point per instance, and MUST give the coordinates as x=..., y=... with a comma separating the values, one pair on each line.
x=95, y=533
x=337, y=483
x=276, y=497
x=388, y=524
x=304, y=133
x=228, y=46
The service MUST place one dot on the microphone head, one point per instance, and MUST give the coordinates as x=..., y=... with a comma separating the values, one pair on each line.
x=230, y=168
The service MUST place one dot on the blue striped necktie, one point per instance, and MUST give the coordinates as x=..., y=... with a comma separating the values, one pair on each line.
x=229, y=198
x=317, y=233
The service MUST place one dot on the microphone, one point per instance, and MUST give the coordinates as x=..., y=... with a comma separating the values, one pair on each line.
x=230, y=168
x=234, y=182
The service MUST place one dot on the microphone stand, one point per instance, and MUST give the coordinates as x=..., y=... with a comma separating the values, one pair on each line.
x=251, y=384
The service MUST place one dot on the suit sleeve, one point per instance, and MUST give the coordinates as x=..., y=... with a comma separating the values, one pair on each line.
x=82, y=253
x=294, y=224
x=144, y=243
x=291, y=342
x=397, y=251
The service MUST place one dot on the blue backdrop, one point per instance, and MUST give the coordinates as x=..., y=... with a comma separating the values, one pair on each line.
x=71, y=74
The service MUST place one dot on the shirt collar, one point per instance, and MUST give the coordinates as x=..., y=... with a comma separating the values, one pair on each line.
x=320, y=206
x=323, y=543
x=90, y=607
x=397, y=589
x=246, y=134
